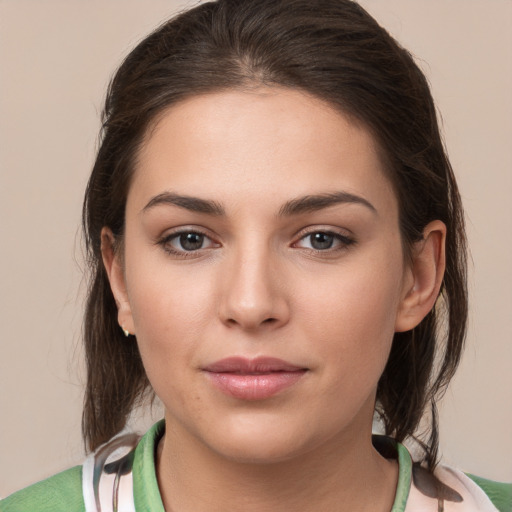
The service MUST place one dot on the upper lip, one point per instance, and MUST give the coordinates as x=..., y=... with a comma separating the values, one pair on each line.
x=254, y=366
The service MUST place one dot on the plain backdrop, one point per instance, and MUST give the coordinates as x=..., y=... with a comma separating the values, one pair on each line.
x=56, y=58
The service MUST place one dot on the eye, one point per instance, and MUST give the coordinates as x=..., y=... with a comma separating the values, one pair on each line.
x=188, y=241
x=324, y=241
x=183, y=242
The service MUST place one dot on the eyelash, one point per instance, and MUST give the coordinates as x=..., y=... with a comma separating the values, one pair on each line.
x=343, y=242
x=166, y=241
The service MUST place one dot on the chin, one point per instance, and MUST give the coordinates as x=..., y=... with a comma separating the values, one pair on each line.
x=259, y=452
x=257, y=443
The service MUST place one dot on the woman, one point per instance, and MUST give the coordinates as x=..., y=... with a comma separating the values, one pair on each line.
x=274, y=233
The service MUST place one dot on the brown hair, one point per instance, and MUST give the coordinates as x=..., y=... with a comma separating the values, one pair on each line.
x=334, y=50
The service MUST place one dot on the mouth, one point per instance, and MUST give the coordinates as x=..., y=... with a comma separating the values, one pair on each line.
x=253, y=379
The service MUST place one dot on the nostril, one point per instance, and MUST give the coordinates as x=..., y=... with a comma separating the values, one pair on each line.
x=267, y=321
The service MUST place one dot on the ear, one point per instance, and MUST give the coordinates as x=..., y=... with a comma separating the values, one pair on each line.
x=112, y=261
x=423, y=278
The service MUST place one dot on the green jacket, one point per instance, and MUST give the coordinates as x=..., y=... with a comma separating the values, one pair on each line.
x=128, y=466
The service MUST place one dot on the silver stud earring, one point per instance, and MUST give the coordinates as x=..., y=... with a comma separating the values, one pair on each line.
x=126, y=332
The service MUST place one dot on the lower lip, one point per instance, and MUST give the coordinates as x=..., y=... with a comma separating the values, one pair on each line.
x=254, y=387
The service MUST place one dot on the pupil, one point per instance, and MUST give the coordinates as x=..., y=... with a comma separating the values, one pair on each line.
x=322, y=241
x=191, y=241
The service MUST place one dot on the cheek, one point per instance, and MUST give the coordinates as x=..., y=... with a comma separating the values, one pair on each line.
x=170, y=309
x=352, y=317
x=162, y=294
x=169, y=321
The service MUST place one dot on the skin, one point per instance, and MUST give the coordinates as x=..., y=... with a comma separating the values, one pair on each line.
x=258, y=287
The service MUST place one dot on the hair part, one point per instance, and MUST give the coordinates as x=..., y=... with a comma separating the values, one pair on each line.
x=335, y=51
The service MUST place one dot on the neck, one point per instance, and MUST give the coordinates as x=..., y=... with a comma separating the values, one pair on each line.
x=344, y=474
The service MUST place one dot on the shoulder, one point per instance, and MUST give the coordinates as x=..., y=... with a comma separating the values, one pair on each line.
x=107, y=476
x=458, y=491
x=498, y=492
x=59, y=493
x=446, y=489
x=482, y=493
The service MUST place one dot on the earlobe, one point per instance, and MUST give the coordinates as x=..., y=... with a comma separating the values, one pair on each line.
x=112, y=262
x=426, y=273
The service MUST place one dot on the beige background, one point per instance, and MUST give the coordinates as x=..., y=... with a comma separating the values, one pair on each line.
x=56, y=57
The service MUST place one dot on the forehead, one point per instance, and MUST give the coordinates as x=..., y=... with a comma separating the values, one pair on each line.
x=266, y=141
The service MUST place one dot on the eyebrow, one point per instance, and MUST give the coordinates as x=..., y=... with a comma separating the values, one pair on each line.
x=194, y=204
x=305, y=204
x=316, y=202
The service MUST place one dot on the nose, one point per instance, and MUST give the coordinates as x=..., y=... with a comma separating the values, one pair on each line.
x=254, y=293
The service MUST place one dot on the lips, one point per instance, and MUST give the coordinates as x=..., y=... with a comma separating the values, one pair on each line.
x=253, y=379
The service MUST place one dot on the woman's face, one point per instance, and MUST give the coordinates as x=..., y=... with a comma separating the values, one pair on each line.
x=263, y=272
